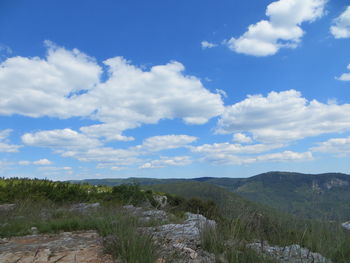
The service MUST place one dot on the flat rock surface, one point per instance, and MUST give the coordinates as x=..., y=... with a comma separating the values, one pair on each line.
x=67, y=247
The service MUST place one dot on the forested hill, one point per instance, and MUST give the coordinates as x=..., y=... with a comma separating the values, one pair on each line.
x=324, y=196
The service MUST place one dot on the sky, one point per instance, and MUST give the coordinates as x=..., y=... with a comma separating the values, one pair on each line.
x=173, y=89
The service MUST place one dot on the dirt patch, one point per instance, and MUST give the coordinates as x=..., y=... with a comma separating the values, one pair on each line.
x=67, y=247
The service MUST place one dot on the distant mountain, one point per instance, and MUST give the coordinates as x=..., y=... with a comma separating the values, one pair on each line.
x=323, y=196
x=131, y=180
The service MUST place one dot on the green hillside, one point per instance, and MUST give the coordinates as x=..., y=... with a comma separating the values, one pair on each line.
x=325, y=196
x=319, y=196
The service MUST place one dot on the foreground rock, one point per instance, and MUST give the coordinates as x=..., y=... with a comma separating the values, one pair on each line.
x=7, y=207
x=346, y=225
x=290, y=254
x=181, y=242
x=68, y=247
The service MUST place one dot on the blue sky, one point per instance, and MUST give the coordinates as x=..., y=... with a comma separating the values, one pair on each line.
x=173, y=88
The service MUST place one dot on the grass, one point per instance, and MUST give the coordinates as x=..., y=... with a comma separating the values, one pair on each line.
x=120, y=231
x=231, y=237
x=239, y=222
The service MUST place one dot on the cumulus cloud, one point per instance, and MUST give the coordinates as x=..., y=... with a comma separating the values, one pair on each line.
x=131, y=96
x=237, y=154
x=283, y=117
x=38, y=87
x=68, y=83
x=72, y=144
x=345, y=76
x=341, y=25
x=65, y=138
x=165, y=142
x=281, y=30
x=167, y=161
x=339, y=146
x=4, y=145
x=206, y=44
x=42, y=162
x=241, y=138
x=228, y=148
x=226, y=154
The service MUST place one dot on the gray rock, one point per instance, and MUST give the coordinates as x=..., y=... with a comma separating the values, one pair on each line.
x=83, y=207
x=146, y=215
x=346, y=225
x=291, y=254
x=161, y=200
x=34, y=230
x=183, y=240
x=7, y=207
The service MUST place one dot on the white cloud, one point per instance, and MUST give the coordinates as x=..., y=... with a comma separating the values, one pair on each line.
x=4, y=145
x=77, y=145
x=341, y=26
x=65, y=138
x=24, y=162
x=131, y=97
x=206, y=44
x=282, y=30
x=283, y=117
x=345, y=76
x=228, y=148
x=53, y=170
x=167, y=161
x=42, y=162
x=38, y=87
x=67, y=84
x=340, y=146
x=38, y=162
x=165, y=142
x=218, y=157
x=241, y=138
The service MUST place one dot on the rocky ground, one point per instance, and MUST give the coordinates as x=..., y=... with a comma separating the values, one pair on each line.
x=68, y=247
x=289, y=254
x=176, y=242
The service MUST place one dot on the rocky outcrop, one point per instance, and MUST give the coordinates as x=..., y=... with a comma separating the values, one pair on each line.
x=83, y=207
x=7, y=207
x=68, y=247
x=290, y=254
x=181, y=242
x=146, y=215
x=335, y=183
x=161, y=200
x=346, y=225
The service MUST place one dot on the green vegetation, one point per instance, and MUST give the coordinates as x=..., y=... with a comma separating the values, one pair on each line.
x=46, y=205
x=324, y=196
x=243, y=221
x=47, y=217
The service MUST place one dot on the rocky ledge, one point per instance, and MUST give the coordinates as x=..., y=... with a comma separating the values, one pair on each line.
x=67, y=247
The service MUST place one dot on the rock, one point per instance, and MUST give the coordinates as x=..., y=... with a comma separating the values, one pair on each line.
x=291, y=254
x=183, y=240
x=199, y=220
x=146, y=215
x=34, y=230
x=161, y=200
x=7, y=207
x=77, y=247
x=83, y=207
x=346, y=225
x=336, y=182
